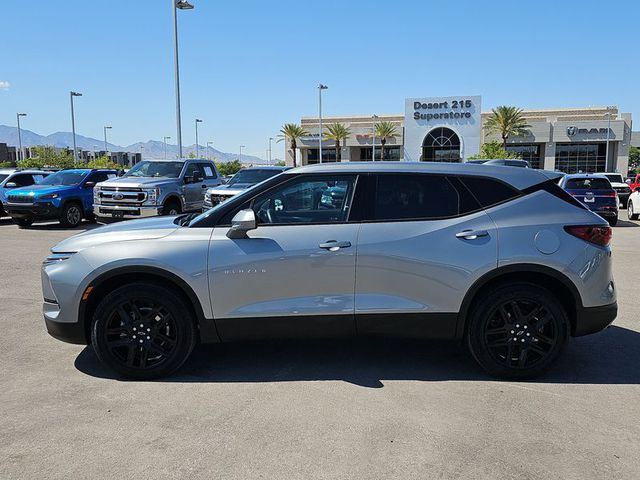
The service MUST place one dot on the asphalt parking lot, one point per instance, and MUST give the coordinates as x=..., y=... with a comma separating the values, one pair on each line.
x=348, y=409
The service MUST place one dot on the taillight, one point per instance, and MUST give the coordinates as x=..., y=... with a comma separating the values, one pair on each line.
x=596, y=234
x=611, y=194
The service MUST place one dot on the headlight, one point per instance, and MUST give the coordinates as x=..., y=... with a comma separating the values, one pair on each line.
x=57, y=258
x=152, y=195
x=96, y=194
x=48, y=196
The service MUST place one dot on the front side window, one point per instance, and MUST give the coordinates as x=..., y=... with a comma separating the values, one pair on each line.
x=156, y=169
x=208, y=171
x=98, y=177
x=307, y=200
x=23, y=180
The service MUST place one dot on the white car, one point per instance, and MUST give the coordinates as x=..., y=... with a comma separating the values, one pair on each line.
x=633, y=205
x=620, y=186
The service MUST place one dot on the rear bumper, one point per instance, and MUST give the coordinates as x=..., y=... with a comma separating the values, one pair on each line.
x=594, y=319
x=41, y=210
x=119, y=212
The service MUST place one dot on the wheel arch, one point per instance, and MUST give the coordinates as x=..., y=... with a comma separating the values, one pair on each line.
x=122, y=275
x=171, y=197
x=563, y=288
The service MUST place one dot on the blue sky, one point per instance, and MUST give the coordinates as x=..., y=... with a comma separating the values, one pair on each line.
x=247, y=67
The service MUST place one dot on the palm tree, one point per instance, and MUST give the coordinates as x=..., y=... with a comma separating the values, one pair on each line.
x=338, y=132
x=292, y=132
x=508, y=122
x=385, y=130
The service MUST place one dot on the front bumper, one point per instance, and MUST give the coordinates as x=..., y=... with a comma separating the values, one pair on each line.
x=40, y=210
x=63, y=331
x=120, y=212
x=594, y=319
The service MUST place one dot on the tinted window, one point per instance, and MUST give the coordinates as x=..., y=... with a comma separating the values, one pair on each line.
x=615, y=177
x=252, y=176
x=192, y=169
x=98, y=177
x=23, y=180
x=489, y=192
x=307, y=200
x=588, y=184
x=401, y=197
x=3, y=177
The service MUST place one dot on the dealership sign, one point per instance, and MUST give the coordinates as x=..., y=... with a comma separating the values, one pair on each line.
x=458, y=108
x=572, y=130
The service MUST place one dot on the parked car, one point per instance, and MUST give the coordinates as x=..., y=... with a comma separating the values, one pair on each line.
x=620, y=186
x=66, y=196
x=633, y=182
x=595, y=192
x=245, y=178
x=499, y=258
x=633, y=206
x=11, y=178
x=156, y=187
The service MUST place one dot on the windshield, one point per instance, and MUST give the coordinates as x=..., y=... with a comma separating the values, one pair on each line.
x=3, y=177
x=64, y=178
x=588, y=184
x=252, y=176
x=615, y=177
x=155, y=169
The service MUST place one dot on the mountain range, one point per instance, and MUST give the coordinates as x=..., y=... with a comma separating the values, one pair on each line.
x=149, y=149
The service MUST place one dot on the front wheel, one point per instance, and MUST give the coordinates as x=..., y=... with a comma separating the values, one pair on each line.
x=71, y=215
x=171, y=208
x=143, y=331
x=630, y=214
x=613, y=221
x=517, y=331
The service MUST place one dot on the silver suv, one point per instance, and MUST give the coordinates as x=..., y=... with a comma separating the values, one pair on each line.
x=155, y=187
x=500, y=258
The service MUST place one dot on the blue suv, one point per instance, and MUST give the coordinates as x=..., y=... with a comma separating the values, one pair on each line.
x=11, y=178
x=66, y=196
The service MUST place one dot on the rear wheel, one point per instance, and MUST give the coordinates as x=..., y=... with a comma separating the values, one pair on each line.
x=630, y=214
x=71, y=215
x=143, y=331
x=613, y=221
x=171, y=207
x=517, y=331
x=23, y=222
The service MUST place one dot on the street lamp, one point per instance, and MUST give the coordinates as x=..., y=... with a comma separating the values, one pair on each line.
x=73, y=125
x=209, y=146
x=175, y=6
x=321, y=87
x=106, y=149
x=165, y=146
x=373, y=152
x=241, y=147
x=269, y=157
x=20, y=155
x=197, y=147
x=606, y=161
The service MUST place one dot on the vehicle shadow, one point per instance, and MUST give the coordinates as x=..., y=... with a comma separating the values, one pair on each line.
x=626, y=223
x=609, y=357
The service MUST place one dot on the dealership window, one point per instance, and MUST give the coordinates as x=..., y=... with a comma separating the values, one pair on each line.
x=390, y=153
x=328, y=155
x=441, y=145
x=581, y=157
x=530, y=153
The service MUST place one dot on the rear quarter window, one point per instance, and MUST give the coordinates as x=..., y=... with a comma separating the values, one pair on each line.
x=489, y=192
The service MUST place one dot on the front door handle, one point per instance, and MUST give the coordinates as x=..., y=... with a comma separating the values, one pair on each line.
x=334, y=245
x=472, y=234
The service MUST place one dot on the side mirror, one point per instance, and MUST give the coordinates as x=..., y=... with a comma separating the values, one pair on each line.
x=89, y=184
x=628, y=180
x=11, y=185
x=242, y=222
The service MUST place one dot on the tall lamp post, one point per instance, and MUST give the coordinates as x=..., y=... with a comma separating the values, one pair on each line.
x=197, y=146
x=164, y=139
x=20, y=155
x=209, y=146
x=73, y=126
x=175, y=6
x=373, y=151
x=269, y=158
x=321, y=87
x=241, y=147
x=106, y=149
x=606, y=161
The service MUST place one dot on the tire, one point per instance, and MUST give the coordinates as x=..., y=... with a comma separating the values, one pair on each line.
x=613, y=221
x=511, y=319
x=23, y=222
x=168, y=331
x=71, y=215
x=171, y=207
x=630, y=214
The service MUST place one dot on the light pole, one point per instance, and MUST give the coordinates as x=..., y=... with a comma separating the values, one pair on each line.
x=175, y=6
x=164, y=139
x=106, y=149
x=20, y=155
x=321, y=87
x=241, y=147
x=73, y=126
x=606, y=161
x=197, y=147
x=373, y=151
x=209, y=146
x=269, y=157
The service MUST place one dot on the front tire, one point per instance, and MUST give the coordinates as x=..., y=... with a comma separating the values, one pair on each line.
x=171, y=208
x=630, y=214
x=517, y=331
x=71, y=215
x=143, y=331
x=613, y=221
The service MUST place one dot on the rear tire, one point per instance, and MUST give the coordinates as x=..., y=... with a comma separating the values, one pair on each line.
x=71, y=215
x=630, y=214
x=517, y=331
x=613, y=221
x=171, y=207
x=23, y=222
x=143, y=331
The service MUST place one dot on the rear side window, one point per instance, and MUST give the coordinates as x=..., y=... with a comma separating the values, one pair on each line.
x=419, y=197
x=208, y=171
x=489, y=192
x=588, y=184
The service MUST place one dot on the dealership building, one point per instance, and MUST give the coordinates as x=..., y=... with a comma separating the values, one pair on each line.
x=450, y=129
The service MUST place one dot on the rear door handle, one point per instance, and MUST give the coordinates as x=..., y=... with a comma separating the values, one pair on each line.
x=334, y=245
x=472, y=234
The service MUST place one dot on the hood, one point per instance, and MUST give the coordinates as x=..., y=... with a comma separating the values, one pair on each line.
x=138, y=182
x=37, y=190
x=144, y=229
